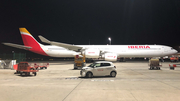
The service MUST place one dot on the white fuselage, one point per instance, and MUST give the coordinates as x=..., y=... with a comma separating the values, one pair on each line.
x=120, y=50
x=109, y=52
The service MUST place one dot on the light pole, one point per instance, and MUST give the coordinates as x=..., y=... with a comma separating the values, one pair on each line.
x=109, y=40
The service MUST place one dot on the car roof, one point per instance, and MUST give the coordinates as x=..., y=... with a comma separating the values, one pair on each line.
x=103, y=62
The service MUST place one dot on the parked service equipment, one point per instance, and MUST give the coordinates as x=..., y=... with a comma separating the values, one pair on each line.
x=154, y=64
x=12, y=63
x=2, y=64
x=7, y=64
x=25, y=68
x=174, y=59
x=172, y=66
x=40, y=65
x=79, y=61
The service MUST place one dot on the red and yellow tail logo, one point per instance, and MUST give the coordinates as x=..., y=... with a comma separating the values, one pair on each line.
x=30, y=41
x=24, y=31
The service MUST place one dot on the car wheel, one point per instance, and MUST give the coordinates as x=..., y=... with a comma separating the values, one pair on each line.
x=89, y=75
x=172, y=68
x=113, y=74
x=35, y=73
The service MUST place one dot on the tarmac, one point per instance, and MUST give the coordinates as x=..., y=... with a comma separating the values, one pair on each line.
x=60, y=82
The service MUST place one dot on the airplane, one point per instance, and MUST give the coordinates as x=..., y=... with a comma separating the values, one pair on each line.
x=106, y=52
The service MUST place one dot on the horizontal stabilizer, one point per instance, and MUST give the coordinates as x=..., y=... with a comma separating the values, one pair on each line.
x=17, y=46
x=67, y=46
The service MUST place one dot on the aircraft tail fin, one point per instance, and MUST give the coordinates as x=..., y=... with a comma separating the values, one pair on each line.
x=28, y=39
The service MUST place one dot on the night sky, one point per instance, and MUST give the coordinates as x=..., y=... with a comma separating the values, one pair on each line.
x=83, y=22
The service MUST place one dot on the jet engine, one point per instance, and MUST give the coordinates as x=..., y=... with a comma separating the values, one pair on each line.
x=92, y=53
x=110, y=57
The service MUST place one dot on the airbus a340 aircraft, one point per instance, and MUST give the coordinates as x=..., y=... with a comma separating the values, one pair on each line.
x=107, y=52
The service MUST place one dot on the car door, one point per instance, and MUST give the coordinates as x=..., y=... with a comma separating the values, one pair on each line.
x=98, y=70
x=107, y=68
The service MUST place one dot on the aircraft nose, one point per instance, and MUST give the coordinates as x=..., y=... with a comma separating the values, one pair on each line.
x=175, y=51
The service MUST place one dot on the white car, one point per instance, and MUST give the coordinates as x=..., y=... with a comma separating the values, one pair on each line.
x=99, y=68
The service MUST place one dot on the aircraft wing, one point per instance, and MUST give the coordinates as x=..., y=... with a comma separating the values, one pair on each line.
x=17, y=46
x=67, y=46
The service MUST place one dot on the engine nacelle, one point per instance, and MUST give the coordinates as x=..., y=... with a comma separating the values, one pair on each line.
x=92, y=53
x=110, y=57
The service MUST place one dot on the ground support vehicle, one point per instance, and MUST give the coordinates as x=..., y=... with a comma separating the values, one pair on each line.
x=79, y=61
x=154, y=64
x=40, y=65
x=99, y=68
x=174, y=59
x=172, y=66
x=26, y=68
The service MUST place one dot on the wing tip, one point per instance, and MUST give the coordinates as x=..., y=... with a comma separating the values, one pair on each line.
x=43, y=39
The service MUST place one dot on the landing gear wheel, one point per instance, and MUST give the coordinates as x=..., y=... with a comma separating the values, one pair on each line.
x=113, y=74
x=89, y=75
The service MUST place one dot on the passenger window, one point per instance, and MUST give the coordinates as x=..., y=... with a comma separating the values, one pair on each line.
x=98, y=65
x=105, y=64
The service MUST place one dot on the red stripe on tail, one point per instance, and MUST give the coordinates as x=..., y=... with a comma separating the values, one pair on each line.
x=28, y=40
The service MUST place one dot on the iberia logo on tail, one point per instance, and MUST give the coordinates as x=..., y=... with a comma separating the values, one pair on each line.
x=30, y=41
x=24, y=31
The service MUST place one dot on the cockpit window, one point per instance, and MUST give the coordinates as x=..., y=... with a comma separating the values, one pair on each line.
x=171, y=48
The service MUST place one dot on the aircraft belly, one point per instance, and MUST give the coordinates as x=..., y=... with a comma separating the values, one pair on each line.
x=140, y=54
x=61, y=53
